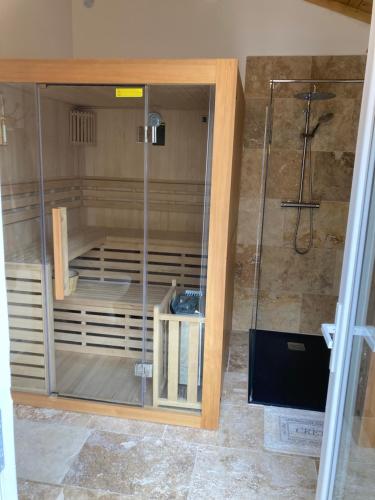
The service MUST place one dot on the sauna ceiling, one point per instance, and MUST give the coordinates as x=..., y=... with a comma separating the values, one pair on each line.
x=160, y=96
x=358, y=9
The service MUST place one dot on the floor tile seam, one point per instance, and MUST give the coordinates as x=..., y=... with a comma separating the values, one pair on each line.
x=43, y=483
x=316, y=469
x=258, y=450
x=297, y=455
x=91, y=425
x=130, y=434
x=213, y=447
x=192, y=476
x=70, y=460
x=52, y=422
x=142, y=437
x=242, y=405
x=236, y=371
x=361, y=462
x=97, y=490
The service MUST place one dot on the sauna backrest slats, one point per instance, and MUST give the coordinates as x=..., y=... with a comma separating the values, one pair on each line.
x=21, y=201
x=125, y=259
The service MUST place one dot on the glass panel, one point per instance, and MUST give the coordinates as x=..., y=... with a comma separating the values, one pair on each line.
x=308, y=161
x=22, y=222
x=181, y=121
x=93, y=158
x=355, y=470
x=302, y=247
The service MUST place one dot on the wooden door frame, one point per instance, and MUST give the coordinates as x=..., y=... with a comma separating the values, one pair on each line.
x=227, y=146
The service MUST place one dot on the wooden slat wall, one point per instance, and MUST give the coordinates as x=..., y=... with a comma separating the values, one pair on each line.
x=26, y=326
x=111, y=331
x=119, y=203
x=21, y=202
x=109, y=202
x=123, y=259
x=128, y=194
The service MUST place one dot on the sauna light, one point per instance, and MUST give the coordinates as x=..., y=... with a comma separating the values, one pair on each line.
x=3, y=128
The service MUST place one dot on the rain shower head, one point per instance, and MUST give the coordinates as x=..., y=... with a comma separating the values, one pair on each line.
x=315, y=96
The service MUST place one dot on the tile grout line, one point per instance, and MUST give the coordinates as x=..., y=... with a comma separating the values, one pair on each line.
x=192, y=474
x=70, y=461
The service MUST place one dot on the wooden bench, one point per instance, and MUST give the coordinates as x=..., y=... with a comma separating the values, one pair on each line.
x=105, y=314
x=106, y=318
x=109, y=255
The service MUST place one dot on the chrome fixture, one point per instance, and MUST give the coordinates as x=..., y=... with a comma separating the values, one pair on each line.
x=315, y=95
x=154, y=131
x=154, y=119
x=308, y=135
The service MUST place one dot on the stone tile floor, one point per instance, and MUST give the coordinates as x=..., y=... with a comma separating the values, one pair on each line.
x=65, y=455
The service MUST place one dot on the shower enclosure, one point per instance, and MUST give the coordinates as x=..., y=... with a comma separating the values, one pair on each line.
x=308, y=156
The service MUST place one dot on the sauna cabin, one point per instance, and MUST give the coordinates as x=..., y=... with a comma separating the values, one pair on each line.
x=119, y=199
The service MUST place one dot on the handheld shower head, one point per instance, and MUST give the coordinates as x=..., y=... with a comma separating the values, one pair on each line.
x=326, y=117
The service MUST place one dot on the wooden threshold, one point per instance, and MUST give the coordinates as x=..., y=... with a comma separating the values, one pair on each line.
x=110, y=410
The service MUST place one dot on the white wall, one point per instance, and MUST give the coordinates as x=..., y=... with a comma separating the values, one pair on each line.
x=36, y=28
x=212, y=28
x=175, y=28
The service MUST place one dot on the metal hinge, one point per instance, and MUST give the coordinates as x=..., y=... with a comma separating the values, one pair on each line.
x=143, y=370
x=328, y=330
x=368, y=333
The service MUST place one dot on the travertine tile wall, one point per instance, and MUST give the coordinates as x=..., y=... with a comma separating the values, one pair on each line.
x=296, y=292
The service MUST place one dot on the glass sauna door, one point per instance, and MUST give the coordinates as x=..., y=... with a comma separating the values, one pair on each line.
x=179, y=179
x=94, y=158
x=22, y=229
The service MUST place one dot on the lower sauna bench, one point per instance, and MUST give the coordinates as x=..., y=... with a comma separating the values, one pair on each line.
x=105, y=318
x=98, y=339
x=98, y=330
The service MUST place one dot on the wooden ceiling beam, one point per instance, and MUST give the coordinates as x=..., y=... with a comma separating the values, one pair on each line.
x=345, y=9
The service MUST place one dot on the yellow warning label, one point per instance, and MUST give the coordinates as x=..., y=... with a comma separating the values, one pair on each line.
x=129, y=92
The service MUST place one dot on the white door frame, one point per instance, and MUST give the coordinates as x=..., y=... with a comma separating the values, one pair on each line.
x=350, y=278
x=8, y=482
